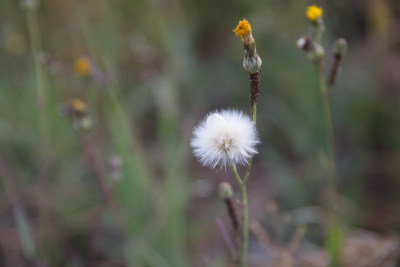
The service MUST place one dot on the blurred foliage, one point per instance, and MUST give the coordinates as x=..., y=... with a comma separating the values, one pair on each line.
x=157, y=67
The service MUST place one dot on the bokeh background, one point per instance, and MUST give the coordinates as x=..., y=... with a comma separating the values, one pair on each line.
x=111, y=181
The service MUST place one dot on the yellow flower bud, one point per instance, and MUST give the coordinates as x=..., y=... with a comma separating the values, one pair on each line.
x=78, y=105
x=225, y=190
x=243, y=29
x=314, y=13
x=83, y=66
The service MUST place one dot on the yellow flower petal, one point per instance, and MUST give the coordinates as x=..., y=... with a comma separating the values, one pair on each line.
x=243, y=29
x=314, y=12
x=78, y=105
x=83, y=66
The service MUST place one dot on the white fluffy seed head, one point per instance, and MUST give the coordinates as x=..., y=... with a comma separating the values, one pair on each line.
x=224, y=138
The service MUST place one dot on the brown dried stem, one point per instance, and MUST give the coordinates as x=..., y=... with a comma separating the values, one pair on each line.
x=254, y=84
x=335, y=69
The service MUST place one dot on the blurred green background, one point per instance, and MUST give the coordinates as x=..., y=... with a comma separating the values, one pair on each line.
x=127, y=191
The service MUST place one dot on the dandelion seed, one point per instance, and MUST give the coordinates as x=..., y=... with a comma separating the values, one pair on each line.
x=314, y=13
x=224, y=138
x=83, y=66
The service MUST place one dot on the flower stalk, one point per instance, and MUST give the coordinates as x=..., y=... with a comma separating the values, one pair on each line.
x=316, y=53
x=252, y=64
x=229, y=138
x=245, y=242
x=334, y=237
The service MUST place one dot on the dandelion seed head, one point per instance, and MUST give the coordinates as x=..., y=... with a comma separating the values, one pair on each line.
x=224, y=138
x=313, y=13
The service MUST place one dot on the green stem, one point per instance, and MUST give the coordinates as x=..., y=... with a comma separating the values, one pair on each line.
x=319, y=29
x=41, y=101
x=247, y=174
x=245, y=244
x=329, y=133
x=334, y=235
x=242, y=185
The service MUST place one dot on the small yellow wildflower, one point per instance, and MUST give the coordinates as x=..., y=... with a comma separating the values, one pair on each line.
x=83, y=66
x=243, y=29
x=78, y=105
x=314, y=12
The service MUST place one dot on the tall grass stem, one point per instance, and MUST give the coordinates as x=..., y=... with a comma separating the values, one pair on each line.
x=41, y=86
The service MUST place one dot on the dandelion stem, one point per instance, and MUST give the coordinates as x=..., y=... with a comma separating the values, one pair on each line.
x=318, y=33
x=245, y=244
x=329, y=136
x=247, y=174
x=333, y=246
x=328, y=125
x=242, y=184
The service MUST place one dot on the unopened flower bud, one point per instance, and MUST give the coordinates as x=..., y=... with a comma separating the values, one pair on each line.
x=305, y=44
x=340, y=47
x=83, y=124
x=225, y=190
x=319, y=51
x=86, y=123
x=315, y=51
x=252, y=64
x=251, y=61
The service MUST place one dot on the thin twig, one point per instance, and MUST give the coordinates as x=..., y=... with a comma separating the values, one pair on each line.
x=96, y=165
x=227, y=238
x=94, y=234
